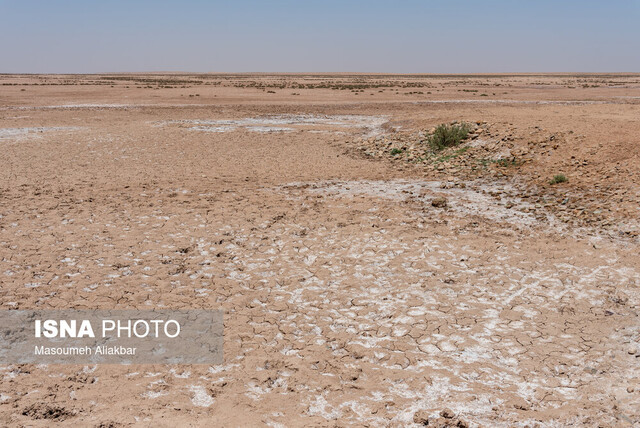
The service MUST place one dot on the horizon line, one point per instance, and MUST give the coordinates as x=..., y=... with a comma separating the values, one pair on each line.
x=499, y=73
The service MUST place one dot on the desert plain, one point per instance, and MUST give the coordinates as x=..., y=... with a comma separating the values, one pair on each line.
x=366, y=278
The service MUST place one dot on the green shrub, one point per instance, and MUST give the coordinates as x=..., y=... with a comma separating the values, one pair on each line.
x=559, y=178
x=449, y=135
x=395, y=152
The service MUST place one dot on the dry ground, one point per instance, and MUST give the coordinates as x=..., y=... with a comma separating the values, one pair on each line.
x=349, y=298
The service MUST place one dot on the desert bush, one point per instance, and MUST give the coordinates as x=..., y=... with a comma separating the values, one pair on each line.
x=558, y=178
x=449, y=135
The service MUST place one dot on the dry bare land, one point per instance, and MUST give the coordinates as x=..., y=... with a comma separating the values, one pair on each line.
x=366, y=278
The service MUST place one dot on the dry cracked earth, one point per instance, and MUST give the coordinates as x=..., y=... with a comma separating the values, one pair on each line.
x=359, y=287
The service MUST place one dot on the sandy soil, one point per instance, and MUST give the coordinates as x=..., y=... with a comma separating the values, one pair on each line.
x=349, y=298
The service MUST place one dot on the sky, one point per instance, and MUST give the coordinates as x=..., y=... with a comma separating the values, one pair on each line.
x=400, y=36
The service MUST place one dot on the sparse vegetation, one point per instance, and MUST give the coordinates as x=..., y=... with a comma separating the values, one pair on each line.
x=558, y=178
x=449, y=135
x=453, y=155
x=505, y=163
x=395, y=151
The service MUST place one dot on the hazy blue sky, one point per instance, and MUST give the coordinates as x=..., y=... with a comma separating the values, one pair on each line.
x=408, y=36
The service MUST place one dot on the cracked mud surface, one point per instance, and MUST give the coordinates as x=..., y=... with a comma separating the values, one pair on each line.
x=349, y=298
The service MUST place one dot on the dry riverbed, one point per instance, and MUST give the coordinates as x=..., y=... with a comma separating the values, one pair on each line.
x=365, y=279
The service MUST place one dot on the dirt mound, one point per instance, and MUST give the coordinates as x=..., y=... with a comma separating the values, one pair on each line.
x=47, y=411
